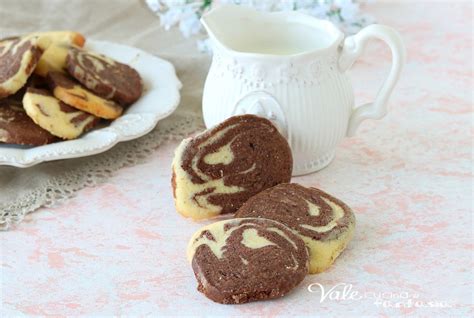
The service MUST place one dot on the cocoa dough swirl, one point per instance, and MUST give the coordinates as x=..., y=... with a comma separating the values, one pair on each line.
x=104, y=76
x=228, y=164
x=17, y=128
x=18, y=57
x=11, y=54
x=241, y=260
x=310, y=212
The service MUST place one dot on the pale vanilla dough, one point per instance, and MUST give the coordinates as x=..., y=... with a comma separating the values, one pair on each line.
x=46, y=112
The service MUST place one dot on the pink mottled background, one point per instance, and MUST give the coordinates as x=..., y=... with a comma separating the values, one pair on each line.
x=119, y=248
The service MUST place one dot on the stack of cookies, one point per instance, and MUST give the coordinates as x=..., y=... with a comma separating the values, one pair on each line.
x=280, y=231
x=51, y=88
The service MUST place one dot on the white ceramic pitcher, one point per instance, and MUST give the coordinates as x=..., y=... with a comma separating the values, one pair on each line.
x=292, y=69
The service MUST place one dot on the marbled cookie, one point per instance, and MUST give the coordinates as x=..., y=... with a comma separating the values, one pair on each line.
x=34, y=81
x=55, y=116
x=324, y=223
x=55, y=45
x=53, y=59
x=104, y=76
x=66, y=37
x=72, y=93
x=18, y=58
x=241, y=260
x=17, y=128
x=218, y=170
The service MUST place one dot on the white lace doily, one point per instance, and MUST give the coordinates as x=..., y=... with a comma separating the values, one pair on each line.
x=47, y=184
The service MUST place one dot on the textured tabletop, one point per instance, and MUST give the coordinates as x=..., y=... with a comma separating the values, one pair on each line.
x=119, y=248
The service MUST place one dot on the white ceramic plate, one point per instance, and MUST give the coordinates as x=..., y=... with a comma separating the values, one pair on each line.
x=160, y=98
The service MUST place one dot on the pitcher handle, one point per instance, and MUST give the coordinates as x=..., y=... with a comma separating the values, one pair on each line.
x=352, y=49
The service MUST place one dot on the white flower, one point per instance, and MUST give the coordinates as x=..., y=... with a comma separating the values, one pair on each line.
x=286, y=6
x=171, y=17
x=174, y=3
x=189, y=24
x=320, y=11
x=298, y=4
x=268, y=5
x=349, y=9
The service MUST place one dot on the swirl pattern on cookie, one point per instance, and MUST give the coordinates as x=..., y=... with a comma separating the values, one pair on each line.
x=17, y=128
x=55, y=116
x=72, y=93
x=241, y=260
x=218, y=170
x=18, y=58
x=325, y=223
x=55, y=45
x=104, y=76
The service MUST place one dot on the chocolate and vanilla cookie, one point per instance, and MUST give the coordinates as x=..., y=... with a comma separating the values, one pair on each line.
x=34, y=81
x=324, y=223
x=18, y=58
x=55, y=45
x=66, y=37
x=104, y=76
x=241, y=260
x=72, y=93
x=17, y=128
x=55, y=116
x=53, y=59
x=218, y=170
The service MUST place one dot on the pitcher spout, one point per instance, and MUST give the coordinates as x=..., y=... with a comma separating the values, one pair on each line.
x=220, y=24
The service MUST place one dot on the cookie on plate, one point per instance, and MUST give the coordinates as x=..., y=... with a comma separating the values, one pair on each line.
x=53, y=59
x=241, y=260
x=72, y=93
x=55, y=45
x=218, y=170
x=55, y=116
x=17, y=128
x=104, y=76
x=325, y=223
x=34, y=81
x=18, y=58
x=66, y=37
